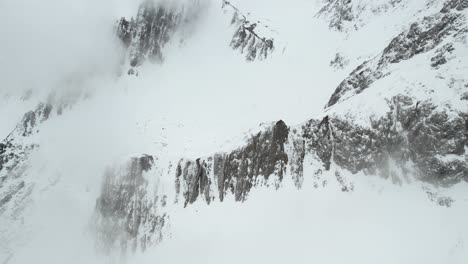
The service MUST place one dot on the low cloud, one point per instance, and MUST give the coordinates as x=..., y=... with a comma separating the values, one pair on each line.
x=44, y=43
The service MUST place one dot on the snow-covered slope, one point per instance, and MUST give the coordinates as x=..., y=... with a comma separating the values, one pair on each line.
x=204, y=136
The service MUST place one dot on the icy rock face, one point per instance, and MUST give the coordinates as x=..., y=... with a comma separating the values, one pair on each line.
x=192, y=179
x=421, y=37
x=414, y=138
x=339, y=11
x=148, y=33
x=346, y=15
x=14, y=152
x=127, y=216
x=263, y=156
x=246, y=39
x=238, y=171
x=413, y=141
x=156, y=24
x=458, y=5
x=442, y=55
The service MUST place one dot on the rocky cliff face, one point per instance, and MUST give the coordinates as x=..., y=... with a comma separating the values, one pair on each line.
x=412, y=141
x=236, y=172
x=247, y=38
x=156, y=24
x=147, y=34
x=421, y=37
x=415, y=139
x=16, y=185
x=347, y=16
x=14, y=152
x=340, y=13
x=128, y=214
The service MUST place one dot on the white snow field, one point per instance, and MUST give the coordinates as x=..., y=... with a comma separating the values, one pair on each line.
x=205, y=98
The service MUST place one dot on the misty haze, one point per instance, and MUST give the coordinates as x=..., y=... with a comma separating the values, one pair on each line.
x=241, y=131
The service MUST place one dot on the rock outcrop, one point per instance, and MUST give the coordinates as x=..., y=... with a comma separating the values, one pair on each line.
x=14, y=152
x=339, y=61
x=128, y=216
x=413, y=141
x=246, y=39
x=340, y=12
x=147, y=34
x=347, y=15
x=238, y=171
x=192, y=179
x=421, y=37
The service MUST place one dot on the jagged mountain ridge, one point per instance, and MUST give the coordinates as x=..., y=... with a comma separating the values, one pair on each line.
x=350, y=16
x=246, y=39
x=14, y=151
x=421, y=37
x=148, y=33
x=129, y=217
x=156, y=24
x=392, y=145
x=395, y=147
x=414, y=140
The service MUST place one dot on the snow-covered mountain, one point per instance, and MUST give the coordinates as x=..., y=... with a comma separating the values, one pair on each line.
x=240, y=131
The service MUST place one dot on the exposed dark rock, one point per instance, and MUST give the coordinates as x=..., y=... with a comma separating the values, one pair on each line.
x=421, y=37
x=156, y=23
x=263, y=156
x=148, y=33
x=344, y=15
x=458, y=5
x=126, y=217
x=124, y=30
x=317, y=137
x=31, y=118
x=359, y=80
x=12, y=149
x=339, y=62
x=14, y=153
x=339, y=11
x=464, y=96
x=412, y=134
x=246, y=39
x=238, y=171
x=297, y=152
x=441, y=55
x=414, y=140
x=194, y=177
x=131, y=71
